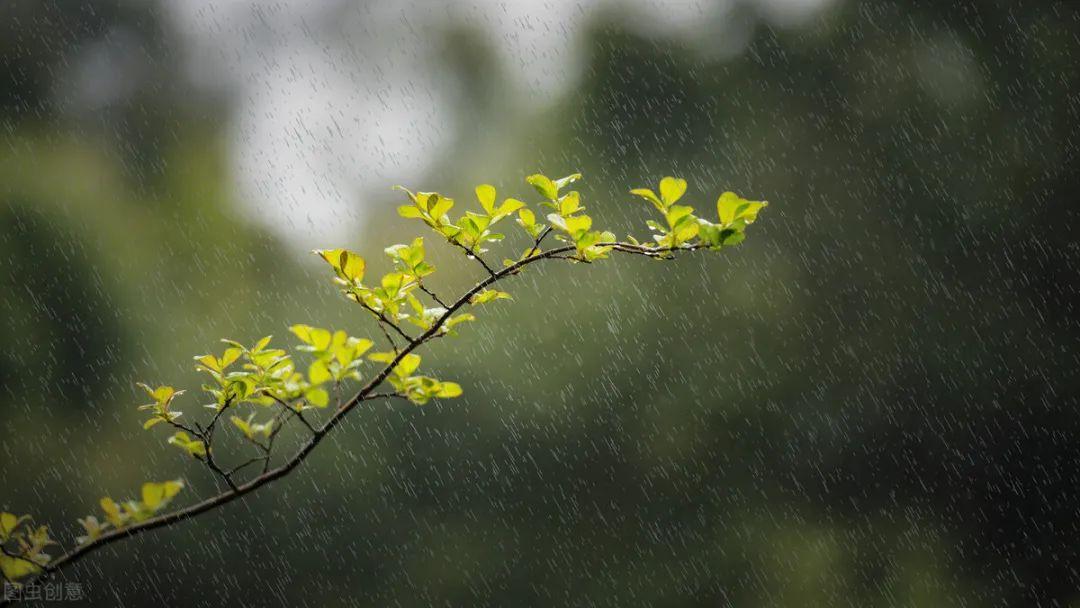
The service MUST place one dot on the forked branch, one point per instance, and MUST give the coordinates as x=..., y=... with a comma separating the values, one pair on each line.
x=269, y=376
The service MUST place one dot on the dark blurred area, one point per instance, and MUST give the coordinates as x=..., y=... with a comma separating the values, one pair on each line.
x=871, y=402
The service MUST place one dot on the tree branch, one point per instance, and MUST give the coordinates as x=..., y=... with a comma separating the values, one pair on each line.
x=472, y=255
x=539, y=239
x=383, y=320
x=247, y=463
x=296, y=413
x=430, y=293
x=318, y=434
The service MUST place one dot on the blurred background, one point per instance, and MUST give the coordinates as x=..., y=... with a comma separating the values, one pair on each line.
x=871, y=402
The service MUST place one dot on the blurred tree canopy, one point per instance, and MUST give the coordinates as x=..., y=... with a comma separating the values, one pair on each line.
x=886, y=415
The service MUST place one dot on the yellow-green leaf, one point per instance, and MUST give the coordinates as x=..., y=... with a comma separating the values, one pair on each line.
x=563, y=182
x=112, y=512
x=408, y=364
x=348, y=265
x=544, y=186
x=93, y=528
x=317, y=397
x=672, y=189
x=230, y=357
x=650, y=196
x=508, y=206
x=156, y=495
x=209, y=361
x=8, y=523
x=318, y=372
x=194, y=447
x=570, y=204
x=449, y=390
x=485, y=193
x=15, y=568
x=489, y=295
x=731, y=207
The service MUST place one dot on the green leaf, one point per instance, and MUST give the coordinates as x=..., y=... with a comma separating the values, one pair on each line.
x=15, y=568
x=441, y=207
x=557, y=221
x=93, y=528
x=346, y=264
x=382, y=357
x=318, y=373
x=316, y=338
x=243, y=425
x=320, y=339
x=671, y=190
x=650, y=196
x=210, y=362
x=544, y=186
x=230, y=357
x=485, y=193
x=112, y=512
x=409, y=363
x=410, y=211
x=508, y=206
x=563, y=182
x=8, y=523
x=456, y=320
x=709, y=233
x=731, y=208
x=262, y=344
x=685, y=230
x=448, y=390
x=570, y=204
x=577, y=224
x=194, y=447
x=317, y=397
x=156, y=495
x=163, y=395
x=303, y=332
x=677, y=213
x=489, y=295
x=730, y=238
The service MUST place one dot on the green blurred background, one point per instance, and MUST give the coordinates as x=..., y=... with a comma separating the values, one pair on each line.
x=869, y=403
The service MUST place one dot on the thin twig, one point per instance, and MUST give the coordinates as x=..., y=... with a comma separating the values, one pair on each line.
x=383, y=319
x=473, y=255
x=539, y=239
x=374, y=396
x=430, y=293
x=180, y=427
x=295, y=412
x=209, y=460
x=245, y=464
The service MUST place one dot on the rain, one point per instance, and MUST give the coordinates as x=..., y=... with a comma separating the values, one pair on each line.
x=869, y=401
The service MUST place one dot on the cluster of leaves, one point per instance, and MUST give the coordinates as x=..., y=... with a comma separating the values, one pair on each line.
x=418, y=389
x=261, y=376
x=153, y=498
x=162, y=397
x=337, y=357
x=395, y=296
x=682, y=226
x=568, y=218
x=22, y=546
x=472, y=230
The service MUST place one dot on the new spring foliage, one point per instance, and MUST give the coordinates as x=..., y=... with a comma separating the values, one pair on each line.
x=261, y=388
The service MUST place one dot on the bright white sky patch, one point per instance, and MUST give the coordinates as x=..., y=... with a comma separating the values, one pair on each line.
x=336, y=102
